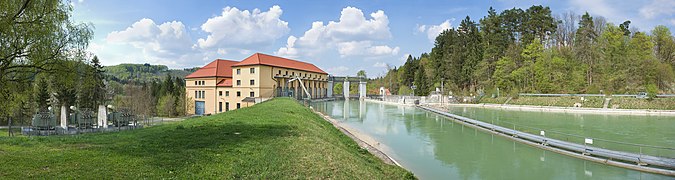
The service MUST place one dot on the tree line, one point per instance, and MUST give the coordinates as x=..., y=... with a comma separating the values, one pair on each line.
x=44, y=63
x=532, y=50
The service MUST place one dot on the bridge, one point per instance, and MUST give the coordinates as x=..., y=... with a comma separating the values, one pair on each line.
x=346, y=80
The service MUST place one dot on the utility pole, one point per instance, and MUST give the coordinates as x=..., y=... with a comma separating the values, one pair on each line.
x=442, y=90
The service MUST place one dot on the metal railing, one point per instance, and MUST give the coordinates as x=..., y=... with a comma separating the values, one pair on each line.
x=640, y=154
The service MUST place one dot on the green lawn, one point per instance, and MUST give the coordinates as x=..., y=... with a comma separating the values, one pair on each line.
x=278, y=139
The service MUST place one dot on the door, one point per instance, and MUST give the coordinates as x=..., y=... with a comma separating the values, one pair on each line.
x=199, y=107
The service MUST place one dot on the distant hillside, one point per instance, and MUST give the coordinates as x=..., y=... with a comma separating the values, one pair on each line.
x=143, y=72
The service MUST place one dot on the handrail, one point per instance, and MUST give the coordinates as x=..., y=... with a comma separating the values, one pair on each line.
x=640, y=159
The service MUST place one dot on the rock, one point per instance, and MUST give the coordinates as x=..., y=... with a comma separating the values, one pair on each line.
x=577, y=105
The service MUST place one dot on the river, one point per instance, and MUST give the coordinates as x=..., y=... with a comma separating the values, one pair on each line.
x=433, y=147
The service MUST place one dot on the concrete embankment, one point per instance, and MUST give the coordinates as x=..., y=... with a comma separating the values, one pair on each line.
x=365, y=141
x=647, y=112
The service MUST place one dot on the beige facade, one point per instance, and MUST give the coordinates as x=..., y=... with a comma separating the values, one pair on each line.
x=261, y=82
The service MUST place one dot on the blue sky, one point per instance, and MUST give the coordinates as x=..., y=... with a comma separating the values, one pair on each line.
x=341, y=37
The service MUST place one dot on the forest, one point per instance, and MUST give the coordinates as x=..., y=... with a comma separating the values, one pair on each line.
x=534, y=51
x=44, y=63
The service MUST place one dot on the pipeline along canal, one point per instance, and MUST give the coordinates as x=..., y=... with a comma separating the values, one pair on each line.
x=434, y=147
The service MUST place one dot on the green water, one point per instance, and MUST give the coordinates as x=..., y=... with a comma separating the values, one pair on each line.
x=434, y=147
x=635, y=129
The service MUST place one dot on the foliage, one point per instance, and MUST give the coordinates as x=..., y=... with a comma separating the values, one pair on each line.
x=284, y=141
x=126, y=73
x=36, y=36
x=529, y=50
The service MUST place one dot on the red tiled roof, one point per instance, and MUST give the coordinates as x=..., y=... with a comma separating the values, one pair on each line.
x=225, y=83
x=264, y=59
x=217, y=68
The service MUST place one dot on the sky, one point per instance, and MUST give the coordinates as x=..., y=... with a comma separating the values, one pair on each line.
x=340, y=37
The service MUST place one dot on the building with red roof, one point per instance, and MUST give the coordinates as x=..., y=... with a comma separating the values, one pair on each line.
x=224, y=85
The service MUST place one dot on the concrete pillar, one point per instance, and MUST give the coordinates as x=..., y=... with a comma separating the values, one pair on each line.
x=102, y=116
x=330, y=89
x=64, y=117
x=362, y=89
x=345, y=89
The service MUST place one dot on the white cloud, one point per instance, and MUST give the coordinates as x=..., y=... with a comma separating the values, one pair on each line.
x=657, y=8
x=339, y=70
x=364, y=48
x=353, y=35
x=168, y=42
x=380, y=65
x=353, y=26
x=434, y=30
x=237, y=29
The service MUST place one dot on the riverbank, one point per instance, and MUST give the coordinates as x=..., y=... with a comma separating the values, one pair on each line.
x=365, y=141
x=587, y=102
x=647, y=112
x=277, y=139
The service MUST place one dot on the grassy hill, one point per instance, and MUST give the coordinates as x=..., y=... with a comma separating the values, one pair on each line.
x=278, y=139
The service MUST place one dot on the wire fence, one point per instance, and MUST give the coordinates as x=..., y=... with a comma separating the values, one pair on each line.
x=74, y=125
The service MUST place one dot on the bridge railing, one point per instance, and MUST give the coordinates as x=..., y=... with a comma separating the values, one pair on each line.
x=637, y=148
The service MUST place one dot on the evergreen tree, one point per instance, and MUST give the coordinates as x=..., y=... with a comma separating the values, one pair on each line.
x=585, y=46
x=41, y=92
x=495, y=41
x=538, y=23
x=421, y=83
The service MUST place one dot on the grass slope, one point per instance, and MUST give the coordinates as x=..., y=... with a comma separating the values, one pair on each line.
x=592, y=102
x=278, y=139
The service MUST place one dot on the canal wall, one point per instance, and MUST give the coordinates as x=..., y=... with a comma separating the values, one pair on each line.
x=645, y=163
x=647, y=112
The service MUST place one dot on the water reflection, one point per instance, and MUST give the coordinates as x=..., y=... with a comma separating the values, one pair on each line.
x=424, y=143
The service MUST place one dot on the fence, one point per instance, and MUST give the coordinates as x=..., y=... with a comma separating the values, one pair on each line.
x=25, y=127
x=592, y=95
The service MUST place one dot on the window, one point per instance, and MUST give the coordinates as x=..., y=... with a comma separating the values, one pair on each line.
x=220, y=106
x=279, y=71
x=252, y=70
x=252, y=94
x=196, y=95
x=292, y=73
x=227, y=106
x=238, y=93
x=252, y=82
x=286, y=72
x=238, y=71
x=227, y=93
x=203, y=82
x=238, y=82
x=195, y=83
x=220, y=93
x=238, y=105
